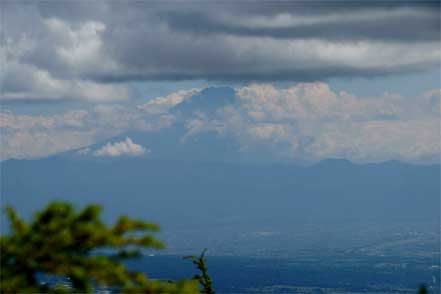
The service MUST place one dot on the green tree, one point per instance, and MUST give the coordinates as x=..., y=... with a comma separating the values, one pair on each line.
x=203, y=278
x=62, y=241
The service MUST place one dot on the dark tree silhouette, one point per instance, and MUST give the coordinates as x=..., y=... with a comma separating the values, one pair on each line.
x=203, y=278
x=61, y=241
x=423, y=290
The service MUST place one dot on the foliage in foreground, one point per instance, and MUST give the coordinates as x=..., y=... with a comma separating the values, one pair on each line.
x=423, y=290
x=60, y=241
x=203, y=278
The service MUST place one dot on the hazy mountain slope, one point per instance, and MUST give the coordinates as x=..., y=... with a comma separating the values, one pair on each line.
x=207, y=184
x=177, y=192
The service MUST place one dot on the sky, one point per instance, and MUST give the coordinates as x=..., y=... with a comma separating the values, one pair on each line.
x=312, y=80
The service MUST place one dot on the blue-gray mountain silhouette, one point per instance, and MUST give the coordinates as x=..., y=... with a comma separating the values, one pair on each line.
x=206, y=182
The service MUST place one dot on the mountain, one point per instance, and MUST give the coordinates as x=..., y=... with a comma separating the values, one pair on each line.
x=205, y=186
x=209, y=100
x=182, y=142
x=245, y=208
x=173, y=144
x=176, y=192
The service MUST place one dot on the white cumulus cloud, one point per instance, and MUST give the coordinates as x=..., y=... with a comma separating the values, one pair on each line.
x=314, y=122
x=163, y=104
x=122, y=148
x=306, y=121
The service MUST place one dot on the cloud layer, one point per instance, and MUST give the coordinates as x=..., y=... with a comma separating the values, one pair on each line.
x=94, y=53
x=123, y=148
x=33, y=136
x=303, y=122
x=86, y=50
x=310, y=122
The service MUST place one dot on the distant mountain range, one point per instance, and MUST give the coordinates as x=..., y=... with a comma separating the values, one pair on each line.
x=207, y=182
x=180, y=192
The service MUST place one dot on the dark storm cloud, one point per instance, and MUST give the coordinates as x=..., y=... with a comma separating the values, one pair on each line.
x=384, y=20
x=61, y=44
x=393, y=26
x=329, y=6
